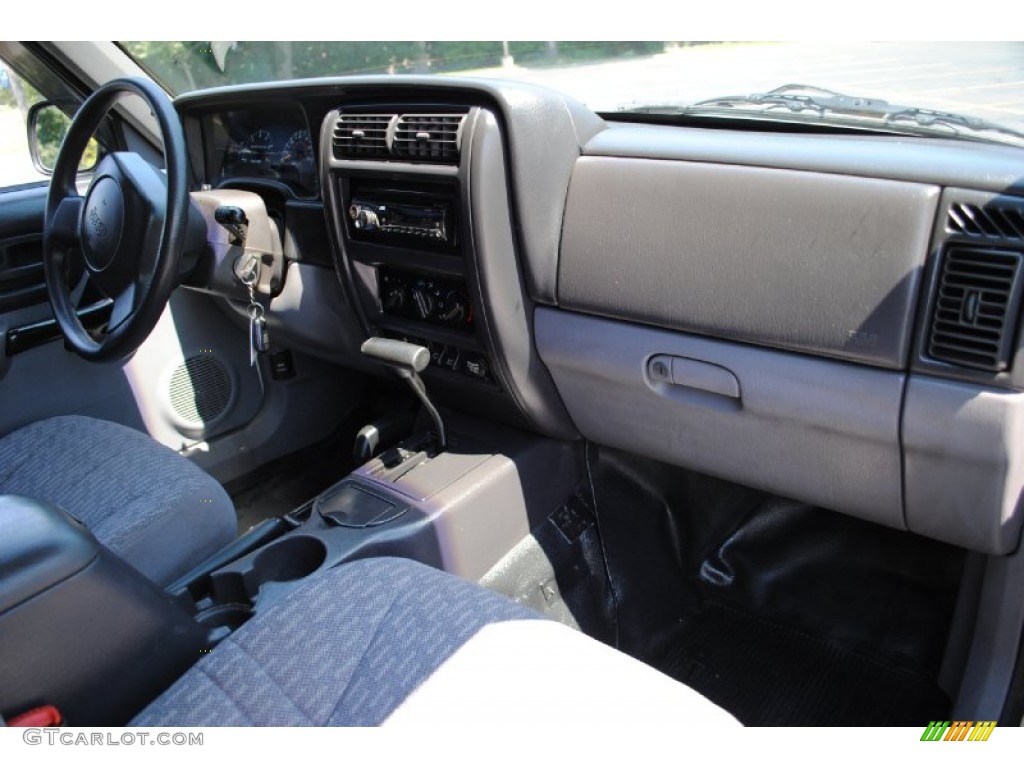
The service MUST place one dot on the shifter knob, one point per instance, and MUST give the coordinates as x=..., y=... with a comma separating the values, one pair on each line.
x=400, y=354
x=408, y=360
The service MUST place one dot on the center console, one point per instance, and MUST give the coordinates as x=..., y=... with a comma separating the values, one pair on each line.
x=426, y=245
x=406, y=241
x=416, y=197
x=461, y=510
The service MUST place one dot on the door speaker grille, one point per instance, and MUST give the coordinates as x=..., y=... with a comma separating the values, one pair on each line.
x=200, y=389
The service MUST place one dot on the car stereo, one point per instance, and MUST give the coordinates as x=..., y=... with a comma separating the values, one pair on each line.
x=384, y=220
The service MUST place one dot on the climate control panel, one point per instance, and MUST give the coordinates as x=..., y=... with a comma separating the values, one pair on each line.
x=430, y=299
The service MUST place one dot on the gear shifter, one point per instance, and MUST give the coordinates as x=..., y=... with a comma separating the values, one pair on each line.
x=407, y=360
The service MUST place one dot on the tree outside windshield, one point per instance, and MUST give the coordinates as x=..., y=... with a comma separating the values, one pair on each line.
x=184, y=66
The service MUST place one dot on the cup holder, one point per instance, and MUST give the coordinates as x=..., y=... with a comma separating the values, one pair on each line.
x=229, y=616
x=289, y=559
x=234, y=591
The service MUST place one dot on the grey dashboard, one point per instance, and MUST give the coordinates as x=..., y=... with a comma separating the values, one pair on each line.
x=829, y=317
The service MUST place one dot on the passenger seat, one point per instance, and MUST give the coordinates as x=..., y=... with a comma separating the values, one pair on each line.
x=390, y=641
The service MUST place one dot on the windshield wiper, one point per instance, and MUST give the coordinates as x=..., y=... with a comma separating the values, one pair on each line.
x=797, y=98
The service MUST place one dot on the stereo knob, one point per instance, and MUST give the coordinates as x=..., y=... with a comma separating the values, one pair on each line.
x=423, y=301
x=363, y=218
x=455, y=308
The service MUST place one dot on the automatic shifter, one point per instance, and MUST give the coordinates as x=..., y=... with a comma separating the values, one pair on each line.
x=408, y=360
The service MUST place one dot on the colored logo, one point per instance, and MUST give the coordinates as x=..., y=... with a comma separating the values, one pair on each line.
x=960, y=730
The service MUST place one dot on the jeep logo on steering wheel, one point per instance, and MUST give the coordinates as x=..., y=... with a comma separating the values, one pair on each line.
x=99, y=227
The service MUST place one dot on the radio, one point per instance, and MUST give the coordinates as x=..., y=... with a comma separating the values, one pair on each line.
x=429, y=222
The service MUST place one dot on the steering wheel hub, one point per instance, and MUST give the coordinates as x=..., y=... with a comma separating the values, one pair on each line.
x=102, y=223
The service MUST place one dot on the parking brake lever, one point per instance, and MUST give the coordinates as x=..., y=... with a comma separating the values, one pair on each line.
x=407, y=360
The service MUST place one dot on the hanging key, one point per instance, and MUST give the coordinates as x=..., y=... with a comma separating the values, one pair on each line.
x=259, y=336
x=263, y=338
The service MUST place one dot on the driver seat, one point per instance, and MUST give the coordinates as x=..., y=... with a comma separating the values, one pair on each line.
x=157, y=510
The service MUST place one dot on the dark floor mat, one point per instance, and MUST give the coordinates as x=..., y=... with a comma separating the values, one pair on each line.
x=783, y=613
x=288, y=486
x=767, y=674
x=289, y=482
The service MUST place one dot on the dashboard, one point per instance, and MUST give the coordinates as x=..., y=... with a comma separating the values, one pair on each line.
x=831, y=317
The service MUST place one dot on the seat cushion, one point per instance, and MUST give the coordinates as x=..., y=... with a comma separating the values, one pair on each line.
x=345, y=649
x=157, y=510
x=521, y=673
x=392, y=641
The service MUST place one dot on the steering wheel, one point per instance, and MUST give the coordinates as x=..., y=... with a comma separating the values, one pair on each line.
x=125, y=237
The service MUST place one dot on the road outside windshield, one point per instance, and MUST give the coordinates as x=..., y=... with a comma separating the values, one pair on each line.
x=982, y=80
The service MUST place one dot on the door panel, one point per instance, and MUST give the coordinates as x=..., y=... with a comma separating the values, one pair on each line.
x=21, y=269
x=190, y=384
x=190, y=381
x=44, y=379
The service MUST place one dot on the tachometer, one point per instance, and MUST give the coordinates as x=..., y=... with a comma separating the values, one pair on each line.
x=299, y=147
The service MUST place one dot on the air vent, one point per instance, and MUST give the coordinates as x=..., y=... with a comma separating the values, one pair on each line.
x=995, y=221
x=412, y=137
x=362, y=136
x=976, y=308
x=429, y=138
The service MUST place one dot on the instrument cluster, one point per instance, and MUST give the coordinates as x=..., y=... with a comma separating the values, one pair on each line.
x=267, y=143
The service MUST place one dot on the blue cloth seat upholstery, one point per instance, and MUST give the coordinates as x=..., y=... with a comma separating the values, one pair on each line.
x=387, y=641
x=158, y=511
x=345, y=649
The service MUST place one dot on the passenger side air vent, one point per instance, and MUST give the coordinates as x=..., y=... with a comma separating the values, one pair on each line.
x=362, y=136
x=995, y=221
x=429, y=138
x=976, y=308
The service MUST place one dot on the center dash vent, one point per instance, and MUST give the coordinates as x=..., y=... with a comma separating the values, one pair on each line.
x=994, y=221
x=412, y=137
x=433, y=138
x=976, y=308
x=362, y=136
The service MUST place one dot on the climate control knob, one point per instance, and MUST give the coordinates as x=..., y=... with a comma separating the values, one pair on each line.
x=394, y=298
x=423, y=301
x=454, y=308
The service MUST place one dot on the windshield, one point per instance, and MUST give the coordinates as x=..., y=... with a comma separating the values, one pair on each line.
x=979, y=81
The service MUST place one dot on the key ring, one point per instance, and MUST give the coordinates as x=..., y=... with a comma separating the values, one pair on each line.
x=255, y=312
